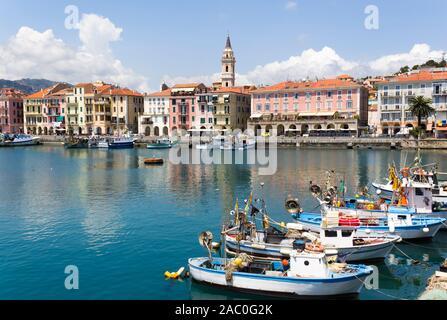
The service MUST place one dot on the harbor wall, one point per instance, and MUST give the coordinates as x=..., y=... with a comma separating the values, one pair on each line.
x=322, y=142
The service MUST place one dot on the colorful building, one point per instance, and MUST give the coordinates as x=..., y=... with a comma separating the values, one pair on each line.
x=183, y=105
x=44, y=110
x=232, y=107
x=395, y=92
x=328, y=107
x=11, y=111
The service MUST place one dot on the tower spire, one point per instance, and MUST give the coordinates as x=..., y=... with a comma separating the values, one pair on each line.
x=228, y=45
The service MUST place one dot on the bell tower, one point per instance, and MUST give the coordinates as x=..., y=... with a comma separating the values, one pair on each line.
x=228, y=77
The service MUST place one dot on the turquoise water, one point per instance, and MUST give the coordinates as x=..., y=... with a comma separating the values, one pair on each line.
x=123, y=224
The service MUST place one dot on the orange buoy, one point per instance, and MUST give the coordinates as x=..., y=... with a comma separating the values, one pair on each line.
x=153, y=161
x=285, y=262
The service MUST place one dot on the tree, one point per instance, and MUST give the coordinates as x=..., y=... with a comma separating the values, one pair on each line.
x=420, y=107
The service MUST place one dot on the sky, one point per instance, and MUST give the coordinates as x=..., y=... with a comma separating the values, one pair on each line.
x=140, y=44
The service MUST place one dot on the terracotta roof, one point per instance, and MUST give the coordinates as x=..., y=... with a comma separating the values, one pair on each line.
x=186, y=85
x=125, y=92
x=325, y=83
x=88, y=87
x=418, y=77
x=55, y=90
x=243, y=89
x=39, y=94
x=164, y=93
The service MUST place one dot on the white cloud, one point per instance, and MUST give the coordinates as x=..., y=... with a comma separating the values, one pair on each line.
x=34, y=54
x=324, y=63
x=291, y=5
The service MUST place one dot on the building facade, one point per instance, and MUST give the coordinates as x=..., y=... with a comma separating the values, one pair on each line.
x=395, y=92
x=183, y=105
x=155, y=118
x=44, y=110
x=11, y=111
x=231, y=107
x=325, y=107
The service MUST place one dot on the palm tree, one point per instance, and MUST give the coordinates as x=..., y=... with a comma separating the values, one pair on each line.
x=420, y=107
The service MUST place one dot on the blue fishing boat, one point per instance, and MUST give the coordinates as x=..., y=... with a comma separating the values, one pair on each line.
x=163, y=143
x=399, y=221
x=121, y=143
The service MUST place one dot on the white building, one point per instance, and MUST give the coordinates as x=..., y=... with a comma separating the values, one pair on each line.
x=394, y=94
x=155, y=119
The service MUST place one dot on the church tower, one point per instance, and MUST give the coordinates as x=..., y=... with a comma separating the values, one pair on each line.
x=228, y=77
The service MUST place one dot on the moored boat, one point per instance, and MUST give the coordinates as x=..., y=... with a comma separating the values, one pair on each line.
x=307, y=274
x=121, y=143
x=163, y=143
x=20, y=140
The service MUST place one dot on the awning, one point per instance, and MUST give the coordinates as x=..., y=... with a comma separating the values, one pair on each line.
x=256, y=115
x=57, y=124
x=317, y=114
x=60, y=119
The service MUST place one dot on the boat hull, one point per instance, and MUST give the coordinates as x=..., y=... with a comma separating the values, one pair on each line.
x=349, y=254
x=123, y=145
x=159, y=146
x=263, y=284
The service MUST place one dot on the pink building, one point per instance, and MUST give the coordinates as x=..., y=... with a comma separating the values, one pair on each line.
x=325, y=107
x=11, y=111
x=183, y=107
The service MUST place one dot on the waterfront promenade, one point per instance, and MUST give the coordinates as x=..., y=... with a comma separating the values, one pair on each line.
x=318, y=142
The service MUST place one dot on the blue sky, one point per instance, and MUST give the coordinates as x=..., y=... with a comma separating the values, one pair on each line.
x=178, y=40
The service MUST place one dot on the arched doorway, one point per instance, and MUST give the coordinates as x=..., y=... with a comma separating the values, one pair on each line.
x=109, y=130
x=98, y=131
x=147, y=131
x=305, y=129
x=51, y=131
x=45, y=131
x=79, y=130
x=156, y=131
x=40, y=131
x=165, y=131
x=280, y=130
x=258, y=130
x=331, y=126
x=317, y=127
x=292, y=131
x=344, y=126
x=268, y=128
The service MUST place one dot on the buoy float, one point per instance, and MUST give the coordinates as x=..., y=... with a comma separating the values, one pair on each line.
x=285, y=262
x=425, y=230
x=237, y=262
x=153, y=161
x=174, y=275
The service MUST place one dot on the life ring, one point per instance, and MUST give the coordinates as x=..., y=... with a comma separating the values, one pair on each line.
x=314, y=247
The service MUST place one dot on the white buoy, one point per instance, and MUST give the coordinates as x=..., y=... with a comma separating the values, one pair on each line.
x=378, y=191
x=367, y=231
x=425, y=230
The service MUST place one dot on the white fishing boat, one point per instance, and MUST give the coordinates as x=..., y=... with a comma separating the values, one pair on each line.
x=103, y=144
x=308, y=274
x=398, y=222
x=277, y=242
x=20, y=140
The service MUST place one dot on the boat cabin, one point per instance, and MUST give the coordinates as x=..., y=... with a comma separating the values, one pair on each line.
x=337, y=237
x=308, y=265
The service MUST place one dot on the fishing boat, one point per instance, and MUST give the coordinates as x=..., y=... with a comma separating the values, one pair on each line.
x=19, y=140
x=398, y=222
x=76, y=143
x=280, y=240
x=305, y=274
x=420, y=173
x=121, y=143
x=163, y=143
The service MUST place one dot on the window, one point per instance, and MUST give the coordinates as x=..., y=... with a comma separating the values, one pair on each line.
x=349, y=104
x=329, y=94
x=419, y=192
x=330, y=234
x=346, y=233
